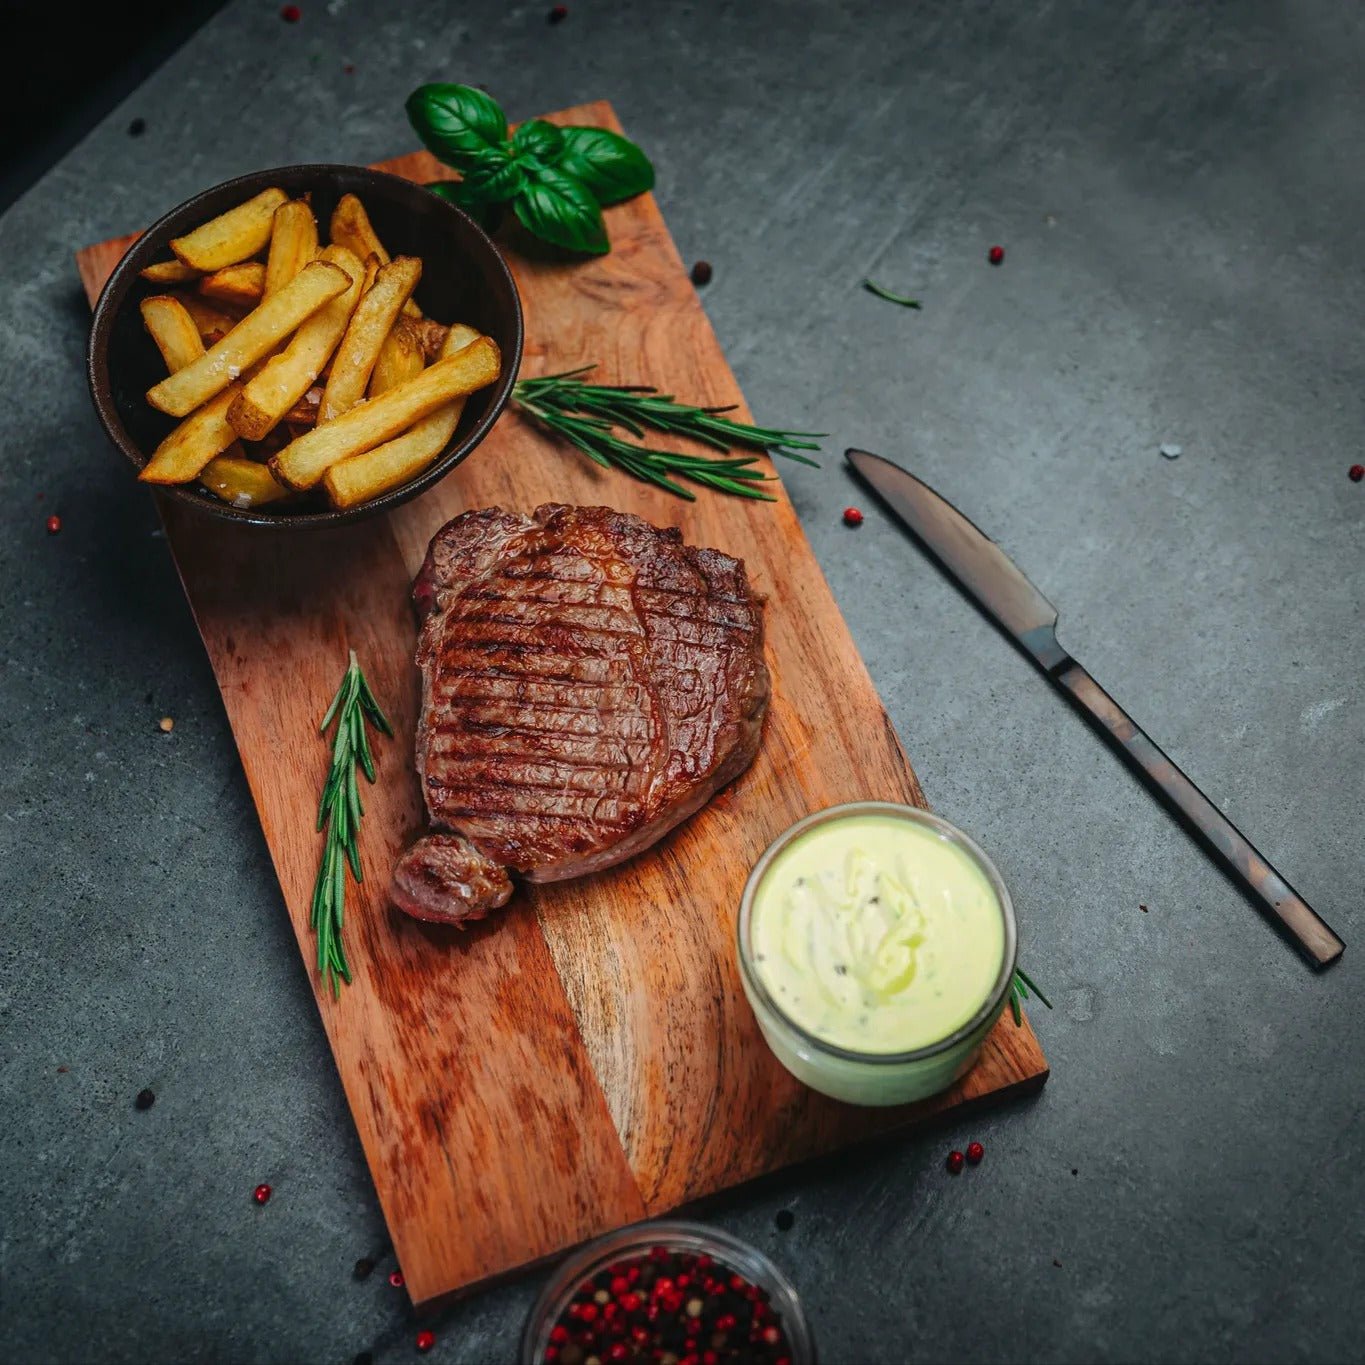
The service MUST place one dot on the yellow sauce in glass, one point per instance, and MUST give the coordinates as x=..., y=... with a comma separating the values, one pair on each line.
x=876, y=934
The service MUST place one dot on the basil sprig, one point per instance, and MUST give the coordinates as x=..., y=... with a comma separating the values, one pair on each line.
x=556, y=180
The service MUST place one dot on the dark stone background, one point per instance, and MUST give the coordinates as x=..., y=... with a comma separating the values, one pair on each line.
x=1179, y=191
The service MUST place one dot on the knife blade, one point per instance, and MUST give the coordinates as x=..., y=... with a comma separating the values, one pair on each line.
x=996, y=584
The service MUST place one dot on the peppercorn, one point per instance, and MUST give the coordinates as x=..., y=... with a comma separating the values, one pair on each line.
x=996, y=255
x=702, y=272
x=1355, y=474
x=955, y=1162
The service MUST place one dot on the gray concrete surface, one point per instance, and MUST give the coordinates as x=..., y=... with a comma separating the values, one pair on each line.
x=1178, y=188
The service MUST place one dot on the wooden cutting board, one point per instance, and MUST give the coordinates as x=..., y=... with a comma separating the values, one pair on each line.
x=586, y=1058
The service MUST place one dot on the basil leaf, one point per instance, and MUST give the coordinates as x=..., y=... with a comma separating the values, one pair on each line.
x=540, y=139
x=497, y=178
x=486, y=215
x=557, y=209
x=610, y=165
x=457, y=123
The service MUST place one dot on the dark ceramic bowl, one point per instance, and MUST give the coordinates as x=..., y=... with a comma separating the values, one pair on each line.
x=464, y=279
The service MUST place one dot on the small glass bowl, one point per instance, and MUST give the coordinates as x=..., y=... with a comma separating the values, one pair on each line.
x=865, y=1077
x=637, y=1240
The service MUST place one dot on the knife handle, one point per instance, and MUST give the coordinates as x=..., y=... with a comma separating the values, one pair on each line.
x=1228, y=846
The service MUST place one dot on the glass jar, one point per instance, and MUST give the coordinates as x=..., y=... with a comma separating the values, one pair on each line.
x=875, y=1078
x=638, y=1240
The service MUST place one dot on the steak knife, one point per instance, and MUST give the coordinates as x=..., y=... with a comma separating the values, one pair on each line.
x=997, y=586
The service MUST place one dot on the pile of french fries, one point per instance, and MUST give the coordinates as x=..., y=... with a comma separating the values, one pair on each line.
x=294, y=367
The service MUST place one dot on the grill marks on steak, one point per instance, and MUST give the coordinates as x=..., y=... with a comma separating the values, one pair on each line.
x=588, y=682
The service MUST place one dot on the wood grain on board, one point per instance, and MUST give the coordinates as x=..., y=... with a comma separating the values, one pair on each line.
x=586, y=1058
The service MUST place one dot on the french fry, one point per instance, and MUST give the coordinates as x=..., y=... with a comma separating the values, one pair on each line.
x=173, y=330
x=175, y=334
x=393, y=463
x=304, y=461
x=288, y=376
x=369, y=325
x=211, y=320
x=351, y=226
x=372, y=264
x=400, y=358
x=293, y=243
x=304, y=413
x=241, y=482
x=232, y=236
x=242, y=284
x=431, y=334
x=257, y=334
x=201, y=436
x=168, y=272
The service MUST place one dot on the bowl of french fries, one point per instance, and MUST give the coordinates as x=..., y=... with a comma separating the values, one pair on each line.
x=304, y=346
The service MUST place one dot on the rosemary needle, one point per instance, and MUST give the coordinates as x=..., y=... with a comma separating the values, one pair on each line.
x=881, y=292
x=588, y=416
x=339, y=813
x=1020, y=986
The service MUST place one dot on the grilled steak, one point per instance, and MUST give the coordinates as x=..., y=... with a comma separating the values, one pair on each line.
x=588, y=682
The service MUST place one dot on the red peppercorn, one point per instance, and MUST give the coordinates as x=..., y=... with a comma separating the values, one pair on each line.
x=683, y=1281
x=261, y=1194
x=995, y=255
x=704, y=1262
x=658, y=1253
x=1355, y=474
x=955, y=1162
x=662, y=1285
x=772, y=1334
x=709, y=1358
x=630, y=1302
x=726, y=1322
x=737, y=1282
x=852, y=517
x=425, y=1340
x=551, y=1355
x=588, y=1312
x=975, y=1151
x=633, y=1273
x=396, y=1278
x=558, y=14
x=291, y=14
x=619, y=1285
x=54, y=524
x=618, y=1351
x=559, y=1334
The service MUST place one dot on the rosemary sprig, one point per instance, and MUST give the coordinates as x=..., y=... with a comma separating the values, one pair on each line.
x=339, y=813
x=587, y=415
x=1020, y=987
x=881, y=292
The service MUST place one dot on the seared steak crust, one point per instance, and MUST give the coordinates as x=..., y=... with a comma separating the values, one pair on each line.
x=589, y=681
